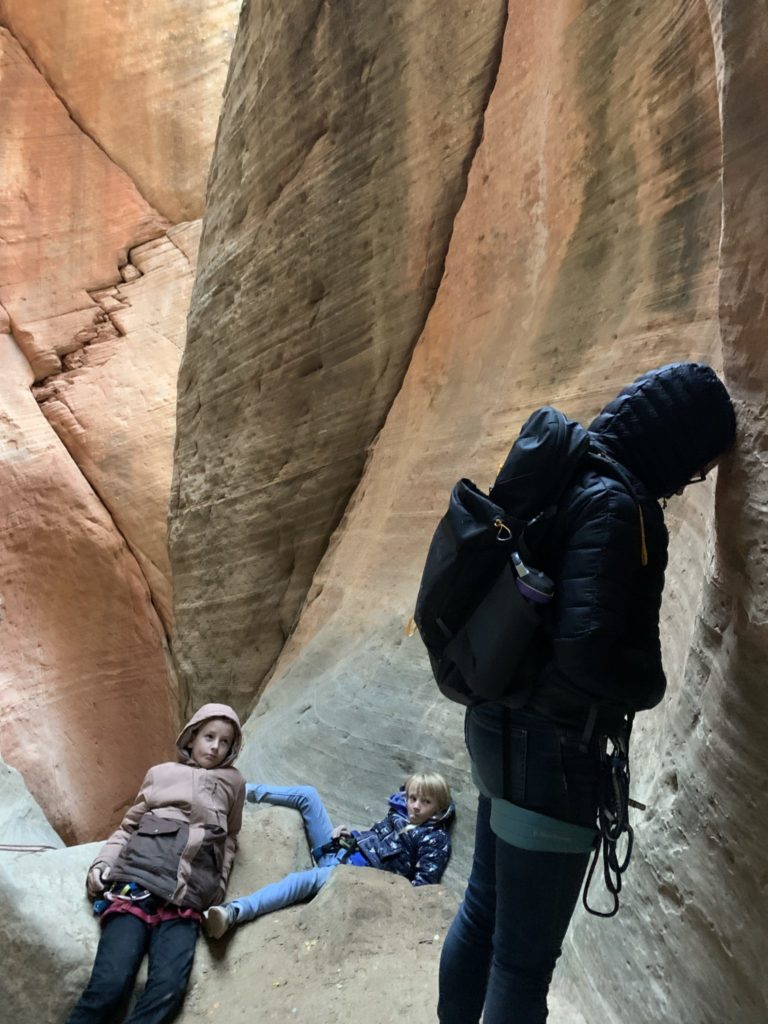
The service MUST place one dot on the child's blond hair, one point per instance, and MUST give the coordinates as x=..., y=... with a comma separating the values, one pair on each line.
x=432, y=785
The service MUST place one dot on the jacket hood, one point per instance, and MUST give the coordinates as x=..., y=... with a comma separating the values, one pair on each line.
x=667, y=425
x=202, y=715
x=399, y=804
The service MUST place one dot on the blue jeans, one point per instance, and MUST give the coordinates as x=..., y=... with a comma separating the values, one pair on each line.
x=299, y=885
x=500, y=952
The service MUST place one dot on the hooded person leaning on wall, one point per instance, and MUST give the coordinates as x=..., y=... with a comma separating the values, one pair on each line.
x=539, y=767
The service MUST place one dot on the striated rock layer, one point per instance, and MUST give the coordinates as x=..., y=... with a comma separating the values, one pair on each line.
x=114, y=404
x=94, y=290
x=142, y=79
x=612, y=222
x=68, y=217
x=340, y=162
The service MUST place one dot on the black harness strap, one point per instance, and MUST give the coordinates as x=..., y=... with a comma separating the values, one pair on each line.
x=348, y=844
x=589, y=727
x=506, y=754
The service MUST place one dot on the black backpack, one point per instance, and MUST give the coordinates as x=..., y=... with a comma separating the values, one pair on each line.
x=471, y=611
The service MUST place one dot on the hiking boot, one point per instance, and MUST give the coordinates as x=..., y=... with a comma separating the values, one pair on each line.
x=218, y=920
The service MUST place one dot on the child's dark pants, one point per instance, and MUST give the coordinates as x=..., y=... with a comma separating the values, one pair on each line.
x=124, y=941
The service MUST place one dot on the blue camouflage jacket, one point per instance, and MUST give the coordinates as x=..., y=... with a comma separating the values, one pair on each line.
x=419, y=852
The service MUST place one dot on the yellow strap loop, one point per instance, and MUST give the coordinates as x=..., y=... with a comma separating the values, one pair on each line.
x=643, y=547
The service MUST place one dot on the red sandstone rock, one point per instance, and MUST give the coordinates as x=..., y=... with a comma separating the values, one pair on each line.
x=88, y=698
x=85, y=704
x=114, y=406
x=69, y=217
x=143, y=79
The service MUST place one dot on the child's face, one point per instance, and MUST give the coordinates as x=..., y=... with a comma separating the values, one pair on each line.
x=212, y=742
x=420, y=806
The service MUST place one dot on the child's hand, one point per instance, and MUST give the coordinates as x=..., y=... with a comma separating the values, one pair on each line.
x=96, y=881
x=341, y=832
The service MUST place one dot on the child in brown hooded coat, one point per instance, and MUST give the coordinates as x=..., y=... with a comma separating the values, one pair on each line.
x=167, y=862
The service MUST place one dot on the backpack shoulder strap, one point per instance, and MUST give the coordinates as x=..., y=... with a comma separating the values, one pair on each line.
x=610, y=467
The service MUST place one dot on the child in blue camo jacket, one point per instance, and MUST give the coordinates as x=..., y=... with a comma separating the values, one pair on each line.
x=412, y=841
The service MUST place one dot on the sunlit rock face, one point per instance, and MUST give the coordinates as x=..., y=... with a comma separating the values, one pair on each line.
x=613, y=221
x=94, y=291
x=114, y=404
x=85, y=677
x=69, y=216
x=340, y=162
x=142, y=79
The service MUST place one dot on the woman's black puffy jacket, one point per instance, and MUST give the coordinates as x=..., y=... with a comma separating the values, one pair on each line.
x=608, y=549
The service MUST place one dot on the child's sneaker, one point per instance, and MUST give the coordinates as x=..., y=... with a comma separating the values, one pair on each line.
x=218, y=920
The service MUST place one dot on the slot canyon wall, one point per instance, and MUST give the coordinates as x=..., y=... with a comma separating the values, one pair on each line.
x=108, y=124
x=612, y=219
x=422, y=220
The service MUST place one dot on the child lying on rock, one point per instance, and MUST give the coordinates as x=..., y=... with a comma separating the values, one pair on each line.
x=412, y=841
x=167, y=862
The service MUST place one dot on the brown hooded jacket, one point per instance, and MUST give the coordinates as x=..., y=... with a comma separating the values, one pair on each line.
x=178, y=840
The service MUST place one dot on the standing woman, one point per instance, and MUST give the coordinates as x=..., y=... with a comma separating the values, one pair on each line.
x=538, y=768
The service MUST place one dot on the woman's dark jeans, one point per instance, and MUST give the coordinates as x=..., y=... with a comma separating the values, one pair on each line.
x=502, y=947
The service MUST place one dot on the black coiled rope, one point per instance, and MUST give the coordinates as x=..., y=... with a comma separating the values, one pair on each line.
x=612, y=819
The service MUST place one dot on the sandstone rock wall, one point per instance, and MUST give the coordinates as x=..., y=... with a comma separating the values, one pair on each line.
x=341, y=160
x=142, y=79
x=114, y=405
x=694, y=934
x=84, y=693
x=94, y=291
x=612, y=222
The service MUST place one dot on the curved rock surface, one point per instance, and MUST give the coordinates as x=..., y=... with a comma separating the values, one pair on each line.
x=96, y=286
x=85, y=701
x=340, y=162
x=142, y=79
x=612, y=222
x=69, y=216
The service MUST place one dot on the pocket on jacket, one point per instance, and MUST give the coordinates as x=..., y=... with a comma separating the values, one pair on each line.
x=157, y=826
x=154, y=849
x=515, y=766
